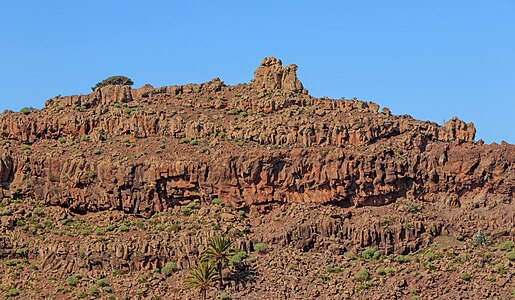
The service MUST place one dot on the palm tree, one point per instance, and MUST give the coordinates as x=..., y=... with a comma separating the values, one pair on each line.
x=202, y=277
x=218, y=251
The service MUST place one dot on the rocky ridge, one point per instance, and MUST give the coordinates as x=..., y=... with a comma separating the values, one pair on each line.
x=267, y=141
x=100, y=184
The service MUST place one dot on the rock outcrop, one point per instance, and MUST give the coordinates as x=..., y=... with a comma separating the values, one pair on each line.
x=145, y=150
x=271, y=75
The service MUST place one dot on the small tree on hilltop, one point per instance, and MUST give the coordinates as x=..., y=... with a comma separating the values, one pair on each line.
x=202, y=277
x=114, y=80
x=218, y=251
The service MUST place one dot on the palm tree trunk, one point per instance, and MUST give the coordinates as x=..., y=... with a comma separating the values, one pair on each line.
x=221, y=283
x=203, y=291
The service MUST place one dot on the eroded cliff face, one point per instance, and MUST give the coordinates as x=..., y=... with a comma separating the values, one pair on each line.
x=119, y=183
x=149, y=149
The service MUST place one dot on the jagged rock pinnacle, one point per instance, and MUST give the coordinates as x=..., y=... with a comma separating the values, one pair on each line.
x=271, y=75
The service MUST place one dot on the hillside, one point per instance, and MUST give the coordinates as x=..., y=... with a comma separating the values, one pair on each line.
x=115, y=184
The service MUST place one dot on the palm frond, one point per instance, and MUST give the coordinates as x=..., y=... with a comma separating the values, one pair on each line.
x=218, y=250
x=202, y=276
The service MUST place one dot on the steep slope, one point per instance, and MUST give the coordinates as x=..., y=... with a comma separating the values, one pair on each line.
x=102, y=193
x=144, y=150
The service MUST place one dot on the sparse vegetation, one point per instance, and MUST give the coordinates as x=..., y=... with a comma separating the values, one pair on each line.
x=465, y=276
x=202, y=277
x=218, y=251
x=168, y=268
x=479, y=239
x=27, y=110
x=260, y=247
x=362, y=275
x=370, y=254
x=114, y=80
x=401, y=259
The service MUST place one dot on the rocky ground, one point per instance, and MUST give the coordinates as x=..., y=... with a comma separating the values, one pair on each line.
x=311, y=252
x=114, y=194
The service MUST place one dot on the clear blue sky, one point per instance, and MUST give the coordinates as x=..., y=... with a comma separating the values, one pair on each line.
x=429, y=59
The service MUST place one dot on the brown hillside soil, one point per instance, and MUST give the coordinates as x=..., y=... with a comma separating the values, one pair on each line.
x=114, y=195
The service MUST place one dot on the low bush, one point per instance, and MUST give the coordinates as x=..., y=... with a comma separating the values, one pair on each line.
x=370, y=254
x=362, y=275
x=260, y=247
x=237, y=258
x=168, y=268
x=401, y=259
x=479, y=239
x=72, y=280
x=465, y=276
x=511, y=255
x=507, y=246
x=114, y=80
x=331, y=269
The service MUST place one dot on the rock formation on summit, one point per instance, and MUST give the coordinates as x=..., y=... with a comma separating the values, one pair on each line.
x=271, y=75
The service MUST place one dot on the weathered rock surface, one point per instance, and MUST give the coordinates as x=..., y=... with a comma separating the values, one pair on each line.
x=100, y=186
x=144, y=150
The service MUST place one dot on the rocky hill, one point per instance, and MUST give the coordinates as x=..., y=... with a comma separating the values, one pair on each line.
x=314, y=179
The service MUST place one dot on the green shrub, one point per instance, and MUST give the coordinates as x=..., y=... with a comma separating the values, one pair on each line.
x=507, y=246
x=187, y=209
x=479, y=239
x=168, y=268
x=97, y=151
x=101, y=282
x=123, y=228
x=370, y=254
x=224, y=296
x=401, y=259
x=93, y=290
x=21, y=251
x=362, y=275
x=5, y=212
x=511, y=255
x=85, y=138
x=114, y=80
x=413, y=207
x=260, y=247
x=331, y=269
x=184, y=140
x=25, y=147
x=11, y=262
x=431, y=255
x=232, y=112
x=194, y=142
x=216, y=201
x=236, y=258
x=465, y=276
x=27, y=110
x=12, y=293
x=350, y=255
x=72, y=280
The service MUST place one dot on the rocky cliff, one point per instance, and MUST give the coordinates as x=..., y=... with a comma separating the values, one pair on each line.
x=115, y=194
x=145, y=150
